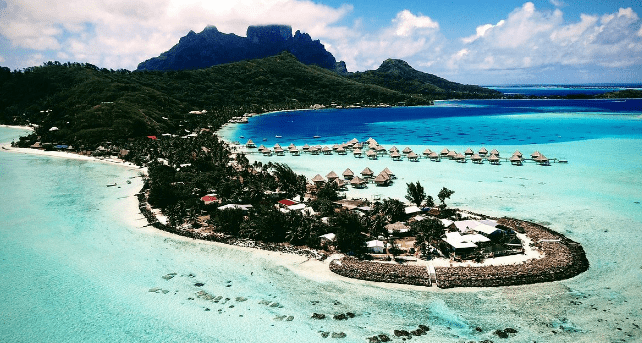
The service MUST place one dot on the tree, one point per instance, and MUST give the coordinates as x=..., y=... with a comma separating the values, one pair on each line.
x=444, y=194
x=415, y=193
x=427, y=231
x=392, y=209
x=348, y=229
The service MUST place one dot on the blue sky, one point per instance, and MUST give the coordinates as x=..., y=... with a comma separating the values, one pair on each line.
x=477, y=42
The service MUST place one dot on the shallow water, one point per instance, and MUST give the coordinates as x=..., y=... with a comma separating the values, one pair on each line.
x=77, y=268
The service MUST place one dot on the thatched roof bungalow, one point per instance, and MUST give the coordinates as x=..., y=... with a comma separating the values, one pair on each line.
x=348, y=174
x=358, y=182
x=367, y=172
x=413, y=157
x=483, y=152
x=332, y=176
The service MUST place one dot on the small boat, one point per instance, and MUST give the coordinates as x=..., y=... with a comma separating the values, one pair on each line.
x=277, y=136
x=264, y=139
x=112, y=185
x=241, y=136
x=316, y=137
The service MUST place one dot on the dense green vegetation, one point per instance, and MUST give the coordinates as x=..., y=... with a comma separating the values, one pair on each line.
x=89, y=105
x=398, y=75
x=627, y=93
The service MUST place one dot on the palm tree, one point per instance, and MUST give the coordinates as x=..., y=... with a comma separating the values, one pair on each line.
x=427, y=232
x=416, y=193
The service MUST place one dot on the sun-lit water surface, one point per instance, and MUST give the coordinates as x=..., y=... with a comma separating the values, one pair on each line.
x=75, y=269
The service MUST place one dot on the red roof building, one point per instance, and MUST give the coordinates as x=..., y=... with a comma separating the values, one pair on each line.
x=208, y=199
x=287, y=202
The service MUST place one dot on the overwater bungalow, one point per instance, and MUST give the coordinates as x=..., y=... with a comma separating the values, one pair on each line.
x=348, y=174
x=477, y=159
x=250, y=144
x=305, y=148
x=357, y=153
x=371, y=154
x=396, y=156
x=339, y=183
x=516, y=160
x=451, y=154
x=266, y=152
x=367, y=173
x=494, y=159
x=381, y=150
x=261, y=148
x=382, y=179
x=357, y=146
x=406, y=150
x=461, y=158
x=483, y=152
x=294, y=152
x=277, y=145
x=371, y=140
x=358, y=182
x=542, y=160
x=332, y=176
x=413, y=157
x=393, y=149
x=444, y=152
x=318, y=180
x=313, y=150
x=390, y=173
x=518, y=154
x=427, y=153
x=291, y=146
x=326, y=150
x=341, y=151
x=279, y=152
x=335, y=147
x=469, y=152
x=434, y=157
x=353, y=141
x=535, y=155
x=494, y=152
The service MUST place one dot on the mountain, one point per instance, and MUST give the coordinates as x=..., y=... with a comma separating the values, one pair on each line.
x=400, y=76
x=212, y=47
x=88, y=105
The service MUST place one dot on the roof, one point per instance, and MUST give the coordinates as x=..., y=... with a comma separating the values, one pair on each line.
x=208, y=198
x=465, y=225
x=332, y=175
x=287, y=202
x=483, y=151
x=357, y=181
x=457, y=241
x=296, y=207
x=387, y=171
x=469, y=151
x=235, y=206
x=348, y=172
x=412, y=209
x=328, y=236
x=407, y=150
x=485, y=229
x=382, y=177
x=367, y=171
x=375, y=243
x=318, y=178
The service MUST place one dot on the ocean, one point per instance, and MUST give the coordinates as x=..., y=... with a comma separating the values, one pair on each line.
x=79, y=265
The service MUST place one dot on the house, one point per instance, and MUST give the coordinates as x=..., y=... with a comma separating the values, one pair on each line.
x=376, y=246
x=235, y=206
x=208, y=199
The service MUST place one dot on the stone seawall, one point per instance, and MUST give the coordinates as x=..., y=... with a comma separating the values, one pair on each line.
x=381, y=272
x=563, y=259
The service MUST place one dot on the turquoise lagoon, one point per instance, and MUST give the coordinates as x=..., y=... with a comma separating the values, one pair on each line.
x=78, y=265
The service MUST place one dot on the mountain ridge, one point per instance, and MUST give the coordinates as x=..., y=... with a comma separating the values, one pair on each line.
x=211, y=47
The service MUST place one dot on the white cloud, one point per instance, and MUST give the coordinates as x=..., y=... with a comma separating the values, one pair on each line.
x=121, y=33
x=557, y=3
x=481, y=31
x=530, y=38
x=407, y=23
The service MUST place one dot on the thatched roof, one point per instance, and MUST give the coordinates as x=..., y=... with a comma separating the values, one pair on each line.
x=445, y=151
x=348, y=172
x=332, y=175
x=357, y=181
x=541, y=158
x=517, y=153
x=493, y=158
x=469, y=151
x=494, y=152
x=452, y=153
x=318, y=178
x=353, y=141
x=433, y=155
x=483, y=151
x=340, y=183
x=249, y=142
x=460, y=156
x=357, y=151
x=277, y=145
x=367, y=171
x=535, y=154
x=515, y=158
x=371, y=153
x=387, y=171
x=394, y=148
x=427, y=152
x=476, y=157
x=306, y=147
x=407, y=150
x=380, y=148
x=395, y=154
x=381, y=178
x=326, y=148
x=291, y=145
x=412, y=155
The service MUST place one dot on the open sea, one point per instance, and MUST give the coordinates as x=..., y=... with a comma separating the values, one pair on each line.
x=78, y=265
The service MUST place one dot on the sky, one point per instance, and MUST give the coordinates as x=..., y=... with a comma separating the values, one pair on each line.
x=469, y=41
